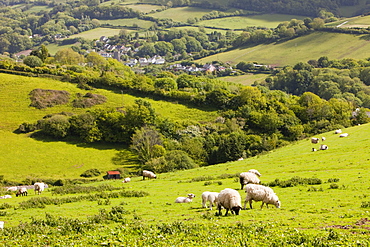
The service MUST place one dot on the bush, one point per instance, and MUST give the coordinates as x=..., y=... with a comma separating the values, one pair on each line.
x=43, y=98
x=32, y=61
x=90, y=173
x=88, y=100
x=334, y=186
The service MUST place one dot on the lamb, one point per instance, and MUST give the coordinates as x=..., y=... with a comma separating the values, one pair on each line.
x=248, y=178
x=211, y=197
x=1, y=224
x=315, y=140
x=6, y=197
x=229, y=199
x=338, y=131
x=314, y=149
x=39, y=187
x=324, y=147
x=323, y=138
x=343, y=135
x=185, y=199
x=22, y=192
x=126, y=180
x=262, y=193
x=148, y=174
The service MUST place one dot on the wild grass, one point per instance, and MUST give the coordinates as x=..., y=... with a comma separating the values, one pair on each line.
x=97, y=33
x=302, y=49
x=240, y=22
x=246, y=80
x=127, y=22
x=182, y=13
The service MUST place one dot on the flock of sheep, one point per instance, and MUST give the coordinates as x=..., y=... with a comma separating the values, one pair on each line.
x=315, y=140
x=22, y=191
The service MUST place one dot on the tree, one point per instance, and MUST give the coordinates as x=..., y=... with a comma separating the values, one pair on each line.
x=32, y=61
x=163, y=47
x=95, y=60
x=68, y=56
x=166, y=84
x=56, y=126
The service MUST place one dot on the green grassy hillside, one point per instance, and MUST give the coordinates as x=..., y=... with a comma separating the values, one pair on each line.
x=302, y=49
x=23, y=156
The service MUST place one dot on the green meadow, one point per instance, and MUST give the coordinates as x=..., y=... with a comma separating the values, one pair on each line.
x=145, y=8
x=240, y=22
x=333, y=212
x=26, y=156
x=301, y=49
x=181, y=14
x=129, y=22
x=98, y=32
x=246, y=80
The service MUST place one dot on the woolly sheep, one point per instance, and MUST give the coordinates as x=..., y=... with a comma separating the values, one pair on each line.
x=148, y=174
x=1, y=224
x=315, y=140
x=229, y=199
x=5, y=197
x=39, y=187
x=211, y=197
x=256, y=192
x=343, y=135
x=22, y=192
x=255, y=172
x=248, y=178
x=126, y=180
x=323, y=138
x=338, y=131
x=14, y=188
x=314, y=149
x=185, y=199
x=324, y=147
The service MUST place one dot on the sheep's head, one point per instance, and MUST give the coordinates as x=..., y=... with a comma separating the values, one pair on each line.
x=191, y=195
x=277, y=204
x=236, y=209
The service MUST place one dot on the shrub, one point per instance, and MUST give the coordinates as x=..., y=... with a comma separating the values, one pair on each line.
x=90, y=173
x=32, y=61
x=334, y=186
x=43, y=98
x=88, y=100
x=294, y=181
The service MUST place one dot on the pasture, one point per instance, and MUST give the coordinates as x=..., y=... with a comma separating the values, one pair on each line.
x=96, y=33
x=245, y=80
x=331, y=213
x=301, y=49
x=48, y=158
x=181, y=14
x=145, y=8
x=128, y=23
x=241, y=22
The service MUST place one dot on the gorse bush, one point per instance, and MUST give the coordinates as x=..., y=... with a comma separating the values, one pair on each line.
x=88, y=100
x=90, y=173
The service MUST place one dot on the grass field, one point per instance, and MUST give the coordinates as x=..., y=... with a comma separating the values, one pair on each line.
x=240, y=22
x=128, y=22
x=145, y=8
x=181, y=14
x=305, y=209
x=25, y=156
x=98, y=32
x=246, y=80
x=302, y=49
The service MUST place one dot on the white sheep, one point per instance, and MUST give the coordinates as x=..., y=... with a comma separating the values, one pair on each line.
x=343, y=135
x=13, y=188
x=255, y=172
x=256, y=192
x=229, y=199
x=315, y=140
x=1, y=224
x=6, y=197
x=323, y=138
x=314, y=149
x=148, y=174
x=22, y=192
x=182, y=199
x=248, y=178
x=39, y=187
x=338, y=131
x=126, y=180
x=324, y=147
x=211, y=197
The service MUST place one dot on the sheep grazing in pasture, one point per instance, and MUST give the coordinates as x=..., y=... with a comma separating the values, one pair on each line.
x=229, y=199
x=338, y=131
x=248, y=178
x=1, y=224
x=182, y=199
x=323, y=138
x=343, y=135
x=256, y=192
x=315, y=140
x=22, y=192
x=126, y=180
x=148, y=174
x=39, y=187
x=324, y=147
x=314, y=149
x=14, y=188
x=210, y=197
x=255, y=172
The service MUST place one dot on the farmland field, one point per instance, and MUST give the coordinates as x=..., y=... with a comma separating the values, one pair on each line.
x=48, y=158
x=246, y=80
x=127, y=22
x=181, y=14
x=145, y=8
x=207, y=30
x=240, y=22
x=302, y=49
x=97, y=33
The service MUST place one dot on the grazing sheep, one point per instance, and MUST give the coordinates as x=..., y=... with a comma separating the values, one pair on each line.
x=248, y=178
x=1, y=224
x=255, y=172
x=39, y=187
x=229, y=199
x=148, y=174
x=315, y=140
x=323, y=138
x=314, y=149
x=182, y=199
x=6, y=197
x=343, y=135
x=211, y=197
x=22, y=192
x=338, y=131
x=126, y=180
x=262, y=193
x=324, y=147
x=14, y=188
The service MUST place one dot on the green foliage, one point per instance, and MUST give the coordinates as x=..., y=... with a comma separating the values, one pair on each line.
x=88, y=100
x=90, y=173
x=32, y=61
x=294, y=181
